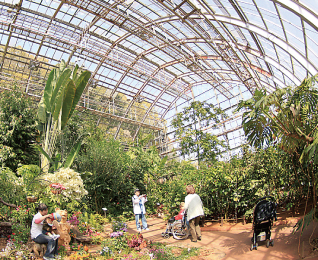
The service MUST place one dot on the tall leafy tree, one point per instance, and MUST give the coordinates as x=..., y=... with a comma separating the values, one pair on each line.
x=17, y=129
x=190, y=124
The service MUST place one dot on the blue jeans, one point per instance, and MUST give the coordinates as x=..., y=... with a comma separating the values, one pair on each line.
x=143, y=220
x=51, y=249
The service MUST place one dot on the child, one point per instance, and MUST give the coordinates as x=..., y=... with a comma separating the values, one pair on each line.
x=48, y=225
x=181, y=212
x=140, y=210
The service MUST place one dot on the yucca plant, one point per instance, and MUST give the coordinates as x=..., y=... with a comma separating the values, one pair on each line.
x=62, y=92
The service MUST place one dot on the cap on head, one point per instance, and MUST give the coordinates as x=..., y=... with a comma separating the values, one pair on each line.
x=56, y=216
x=136, y=190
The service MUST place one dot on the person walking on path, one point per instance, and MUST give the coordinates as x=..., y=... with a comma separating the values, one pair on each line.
x=194, y=208
x=37, y=235
x=140, y=210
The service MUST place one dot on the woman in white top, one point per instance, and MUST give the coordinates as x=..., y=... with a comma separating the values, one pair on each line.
x=194, y=207
x=139, y=209
x=37, y=235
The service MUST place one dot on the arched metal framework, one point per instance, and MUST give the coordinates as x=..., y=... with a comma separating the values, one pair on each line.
x=158, y=55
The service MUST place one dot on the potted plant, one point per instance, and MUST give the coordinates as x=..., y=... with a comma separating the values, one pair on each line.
x=32, y=198
x=56, y=188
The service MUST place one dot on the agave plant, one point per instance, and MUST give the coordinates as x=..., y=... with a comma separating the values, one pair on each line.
x=62, y=92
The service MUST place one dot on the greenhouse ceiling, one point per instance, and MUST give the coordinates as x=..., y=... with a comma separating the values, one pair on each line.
x=151, y=58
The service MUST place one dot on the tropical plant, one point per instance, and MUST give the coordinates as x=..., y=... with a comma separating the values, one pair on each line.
x=288, y=116
x=189, y=125
x=62, y=92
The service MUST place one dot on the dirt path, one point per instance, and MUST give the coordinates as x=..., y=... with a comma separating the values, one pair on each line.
x=232, y=242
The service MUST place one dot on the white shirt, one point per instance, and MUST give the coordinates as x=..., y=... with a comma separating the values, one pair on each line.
x=194, y=206
x=36, y=229
x=136, y=206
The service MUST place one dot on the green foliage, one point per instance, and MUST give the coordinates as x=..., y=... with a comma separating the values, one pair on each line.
x=11, y=188
x=90, y=221
x=119, y=243
x=17, y=129
x=22, y=215
x=29, y=175
x=115, y=173
x=20, y=233
x=288, y=116
x=21, y=218
x=193, y=140
x=231, y=187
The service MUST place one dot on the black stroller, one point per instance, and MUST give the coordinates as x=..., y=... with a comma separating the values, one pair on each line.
x=263, y=218
x=177, y=228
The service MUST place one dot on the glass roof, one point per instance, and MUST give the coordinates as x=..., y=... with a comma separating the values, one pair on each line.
x=150, y=58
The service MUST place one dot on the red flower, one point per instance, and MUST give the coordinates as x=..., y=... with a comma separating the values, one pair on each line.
x=117, y=203
x=13, y=234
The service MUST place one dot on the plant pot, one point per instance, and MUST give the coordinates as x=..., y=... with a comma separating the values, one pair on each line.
x=32, y=199
x=56, y=191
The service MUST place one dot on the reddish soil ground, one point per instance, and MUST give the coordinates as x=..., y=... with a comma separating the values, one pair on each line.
x=233, y=241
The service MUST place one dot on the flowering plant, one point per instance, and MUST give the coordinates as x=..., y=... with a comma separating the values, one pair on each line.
x=79, y=256
x=137, y=242
x=57, y=186
x=20, y=233
x=119, y=226
x=71, y=181
x=73, y=220
x=116, y=234
x=106, y=251
x=22, y=214
x=85, y=228
x=97, y=238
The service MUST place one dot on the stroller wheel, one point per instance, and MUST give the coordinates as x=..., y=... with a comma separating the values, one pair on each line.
x=267, y=243
x=272, y=243
x=166, y=235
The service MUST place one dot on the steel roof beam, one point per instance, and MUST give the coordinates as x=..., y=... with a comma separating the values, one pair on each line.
x=260, y=31
x=300, y=10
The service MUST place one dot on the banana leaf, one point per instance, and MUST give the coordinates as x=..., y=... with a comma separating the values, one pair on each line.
x=73, y=153
x=59, y=90
x=67, y=103
x=80, y=84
